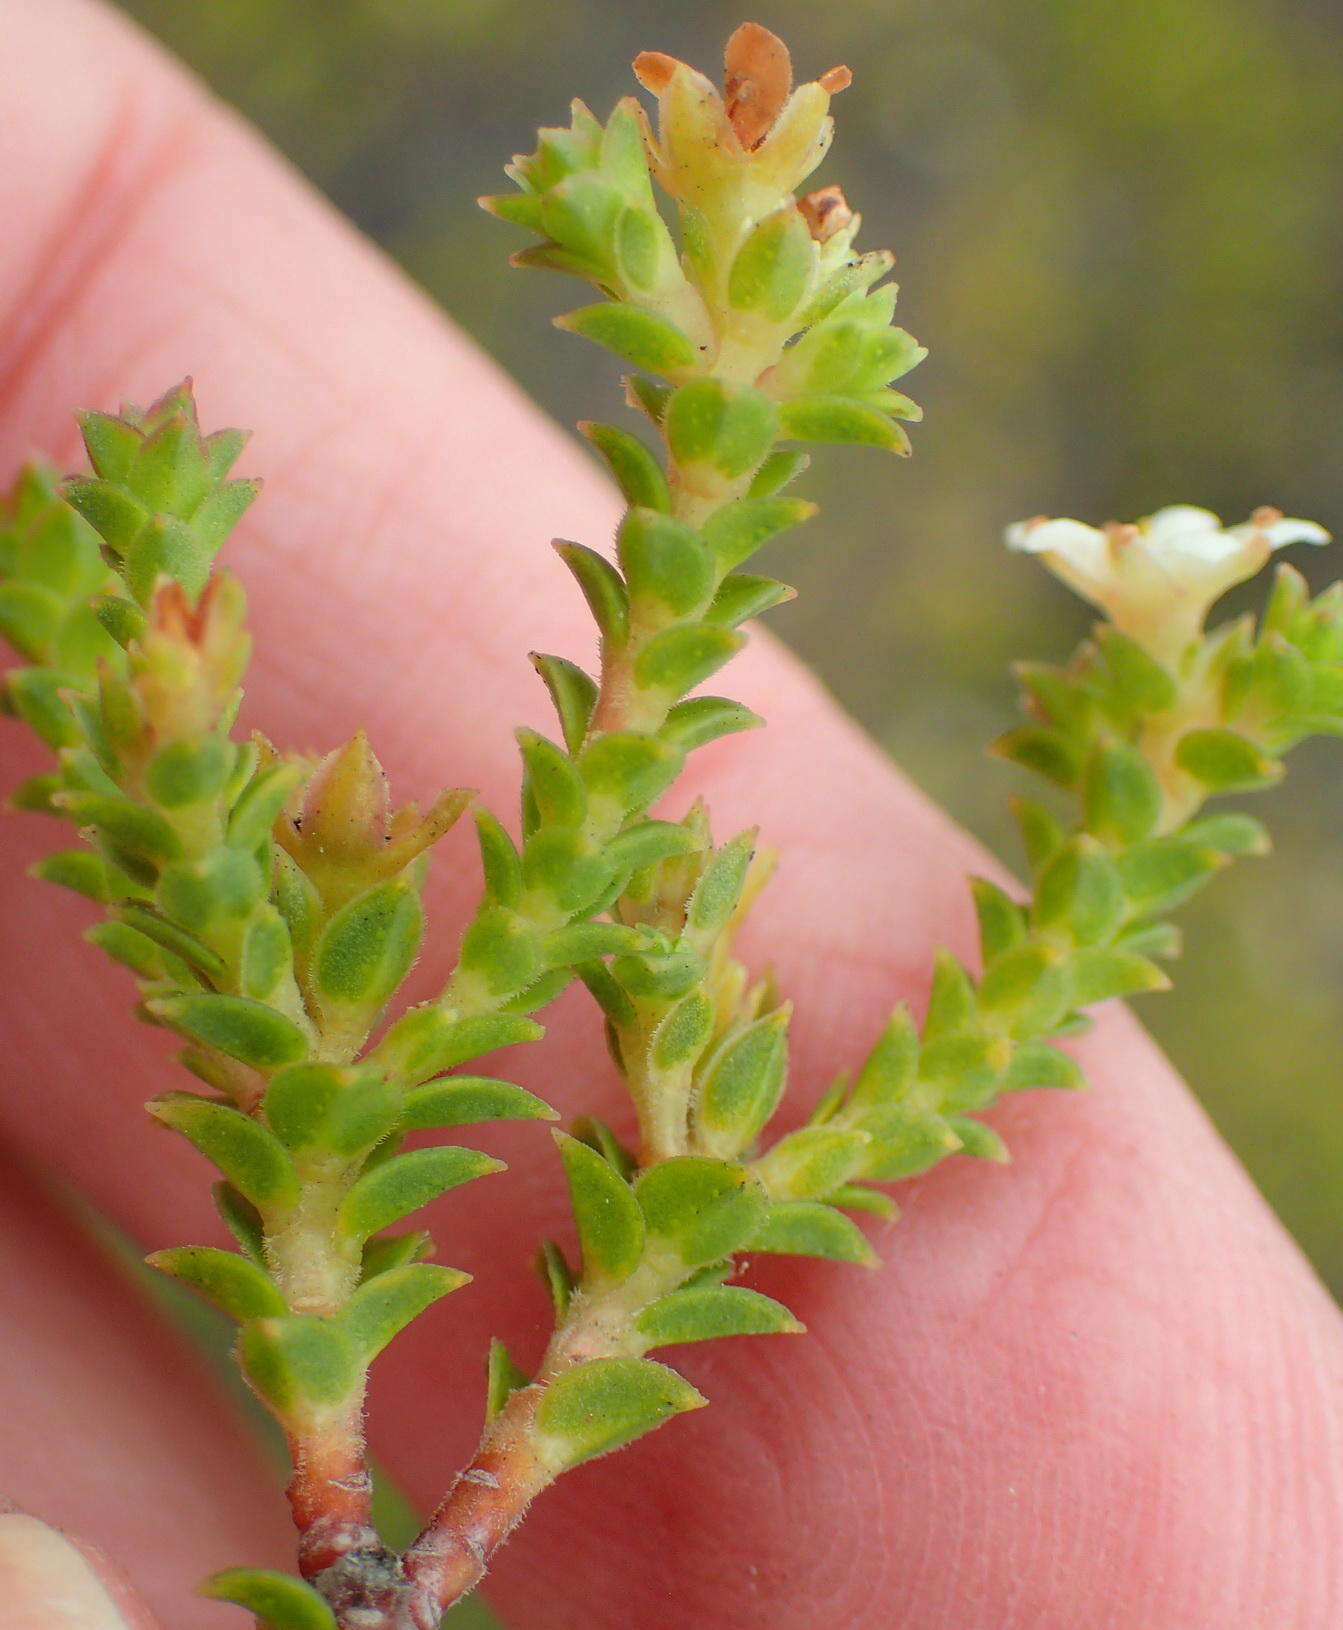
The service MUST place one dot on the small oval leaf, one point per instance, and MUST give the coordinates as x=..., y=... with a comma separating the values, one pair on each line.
x=710, y=1311
x=606, y=1404
x=406, y=1182
x=610, y=1223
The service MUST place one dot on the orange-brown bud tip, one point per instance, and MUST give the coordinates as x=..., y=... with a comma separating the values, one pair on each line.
x=826, y=211
x=759, y=80
x=654, y=70
x=835, y=80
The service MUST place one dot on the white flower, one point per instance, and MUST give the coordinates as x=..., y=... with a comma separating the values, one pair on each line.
x=1156, y=580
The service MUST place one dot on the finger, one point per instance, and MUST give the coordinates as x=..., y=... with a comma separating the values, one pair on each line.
x=110, y=1429
x=49, y=1583
x=394, y=457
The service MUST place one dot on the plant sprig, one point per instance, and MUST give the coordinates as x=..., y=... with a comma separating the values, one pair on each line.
x=269, y=903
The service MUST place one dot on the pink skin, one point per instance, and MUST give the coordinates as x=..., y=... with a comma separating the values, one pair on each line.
x=1098, y=1388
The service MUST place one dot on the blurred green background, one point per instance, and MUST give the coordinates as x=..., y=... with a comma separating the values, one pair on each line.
x=1119, y=231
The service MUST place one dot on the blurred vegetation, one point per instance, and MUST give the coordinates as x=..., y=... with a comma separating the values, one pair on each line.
x=1119, y=231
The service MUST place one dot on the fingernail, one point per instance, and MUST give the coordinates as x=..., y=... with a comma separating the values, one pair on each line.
x=46, y=1583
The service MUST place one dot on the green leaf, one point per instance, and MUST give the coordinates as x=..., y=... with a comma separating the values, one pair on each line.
x=30, y=618
x=382, y=1307
x=429, y=1040
x=83, y=872
x=1047, y=752
x=242, y=1219
x=727, y=428
x=951, y=1000
x=188, y=772
x=871, y=1202
x=842, y=419
x=1225, y=761
x=778, y=470
x=678, y=659
x=1002, y=923
x=1229, y=833
x=710, y=1311
x=503, y=1379
x=278, y=1601
x=1141, y=681
x=628, y=769
x=110, y=510
x=603, y=1405
x=648, y=396
x=891, y=1068
x=134, y=950
x=648, y=341
x=610, y=1224
x=1041, y=835
x=646, y=843
x=1103, y=972
x=302, y=1366
x=742, y=596
x=702, y=719
x=599, y=1136
x=552, y=783
x=666, y=973
x=259, y=805
x=637, y=473
x=132, y=827
x=1161, y=873
x=500, y=948
x=808, y=1228
x=603, y=588
x=572, y=868
x=250, y=1156
x=1121, y=796
x=1037, y=1064
x=220, y=885
x=718, y=892
x=246, y=1030
x=323, y=1106
x=773, y=269
x=683, y=1032
x=809, y=1163
x=906, y=1140
x=737, y=530
x=978, y=1140
x=1027, y=988
x=1080, y=893
x=499, y=860
x=742, y=1084
x=556, y=1275
x=367, y=948
x=403, y=1184
x=235, y=1284
x=384, y=1252
x=111, y=444
x=463, y=1100
x=574, y=694
x=705, y=1209
x=666, y=564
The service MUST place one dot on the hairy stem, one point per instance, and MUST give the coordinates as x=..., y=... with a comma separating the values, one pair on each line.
x=509, y=1469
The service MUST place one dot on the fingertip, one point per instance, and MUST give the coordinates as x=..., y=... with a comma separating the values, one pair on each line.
x=50, y=1582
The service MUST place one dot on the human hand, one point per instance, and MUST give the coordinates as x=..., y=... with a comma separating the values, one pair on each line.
x=1096, y=1389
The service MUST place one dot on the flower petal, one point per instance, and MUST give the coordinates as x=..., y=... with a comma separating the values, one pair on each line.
x=1282, y=532
x=1041, y=537
x=1179, y=521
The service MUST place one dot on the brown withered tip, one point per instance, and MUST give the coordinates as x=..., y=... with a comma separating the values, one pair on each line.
x=826, y=211
x=758, y=81
x=835, y=80
x=654, y=70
